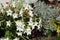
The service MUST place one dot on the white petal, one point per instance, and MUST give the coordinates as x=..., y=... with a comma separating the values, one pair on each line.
x=9, y=12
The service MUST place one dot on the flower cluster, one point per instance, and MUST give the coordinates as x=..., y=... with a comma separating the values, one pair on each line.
x=17, y=19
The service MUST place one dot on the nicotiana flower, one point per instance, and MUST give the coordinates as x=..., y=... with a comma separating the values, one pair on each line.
x=9, y=12
x=33, y=24
x=8, y=23
x=28, y=31
x=16, y=38
x=20, y=25
x=20, y=29
x=15, y=15
x=19, y=33
x=30, y=23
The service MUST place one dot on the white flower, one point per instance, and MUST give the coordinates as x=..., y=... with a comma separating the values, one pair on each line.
x=8, y=23
x=28, y=31
x=9, y=12
x=16, y=39
x=20, y=25
x=30, y=23
x=20, y=29
x=15, y=15
x=13, y=3
x=35, y=23
x=19, y=33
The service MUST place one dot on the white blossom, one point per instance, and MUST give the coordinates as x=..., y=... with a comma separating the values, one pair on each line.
x=19, y=33
x=35, y=23
x=28, y=30
x=30, y=23
x=8, y=23
x=16, y=39
x=15, y=15
x=9, y=12
x=20, y=25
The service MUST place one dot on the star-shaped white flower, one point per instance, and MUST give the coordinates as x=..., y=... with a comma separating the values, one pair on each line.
x=19, y=33
x=32, y=24
x=16, y=39
x=20, y=25
x=15, y=15
x=28, y=31
x=8, y=23
x=9, y=12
